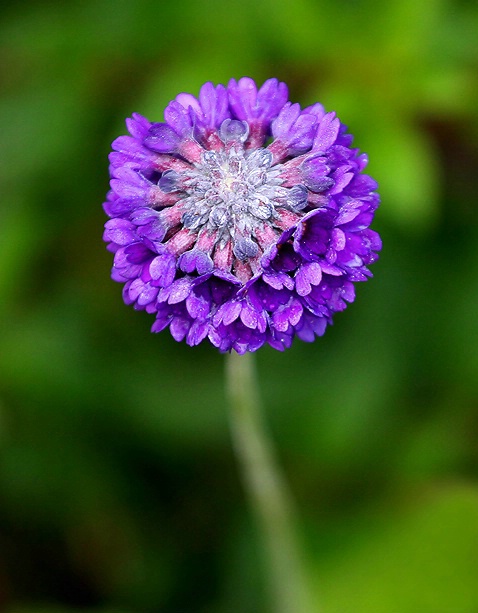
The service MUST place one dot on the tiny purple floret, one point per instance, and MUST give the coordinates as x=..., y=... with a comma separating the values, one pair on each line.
x=242, y=218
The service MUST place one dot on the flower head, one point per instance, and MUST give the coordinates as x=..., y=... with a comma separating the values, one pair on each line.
x=226, y=236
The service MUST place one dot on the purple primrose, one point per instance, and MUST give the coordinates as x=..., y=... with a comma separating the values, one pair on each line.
x=242, y=219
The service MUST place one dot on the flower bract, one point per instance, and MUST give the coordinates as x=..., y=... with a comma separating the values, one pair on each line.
x=242, y=218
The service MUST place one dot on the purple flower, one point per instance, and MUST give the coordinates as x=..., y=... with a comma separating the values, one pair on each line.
x=226, y=236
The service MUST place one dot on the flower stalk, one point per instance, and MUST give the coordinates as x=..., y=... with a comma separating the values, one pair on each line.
x=266, y=488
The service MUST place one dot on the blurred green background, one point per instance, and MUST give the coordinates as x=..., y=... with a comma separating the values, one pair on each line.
x=118, y=488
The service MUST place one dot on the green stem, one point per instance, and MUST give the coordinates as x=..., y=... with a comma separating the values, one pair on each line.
x=266, y=487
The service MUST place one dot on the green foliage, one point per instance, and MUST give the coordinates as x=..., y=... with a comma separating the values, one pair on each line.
x=418, y=558
x=118, y=489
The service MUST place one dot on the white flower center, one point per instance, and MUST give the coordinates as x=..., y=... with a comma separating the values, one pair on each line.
x=234, y=192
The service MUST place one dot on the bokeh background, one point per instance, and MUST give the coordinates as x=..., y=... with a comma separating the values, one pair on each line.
x=119, y=491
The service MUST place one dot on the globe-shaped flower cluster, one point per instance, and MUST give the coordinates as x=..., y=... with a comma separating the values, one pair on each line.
x=242, y=219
